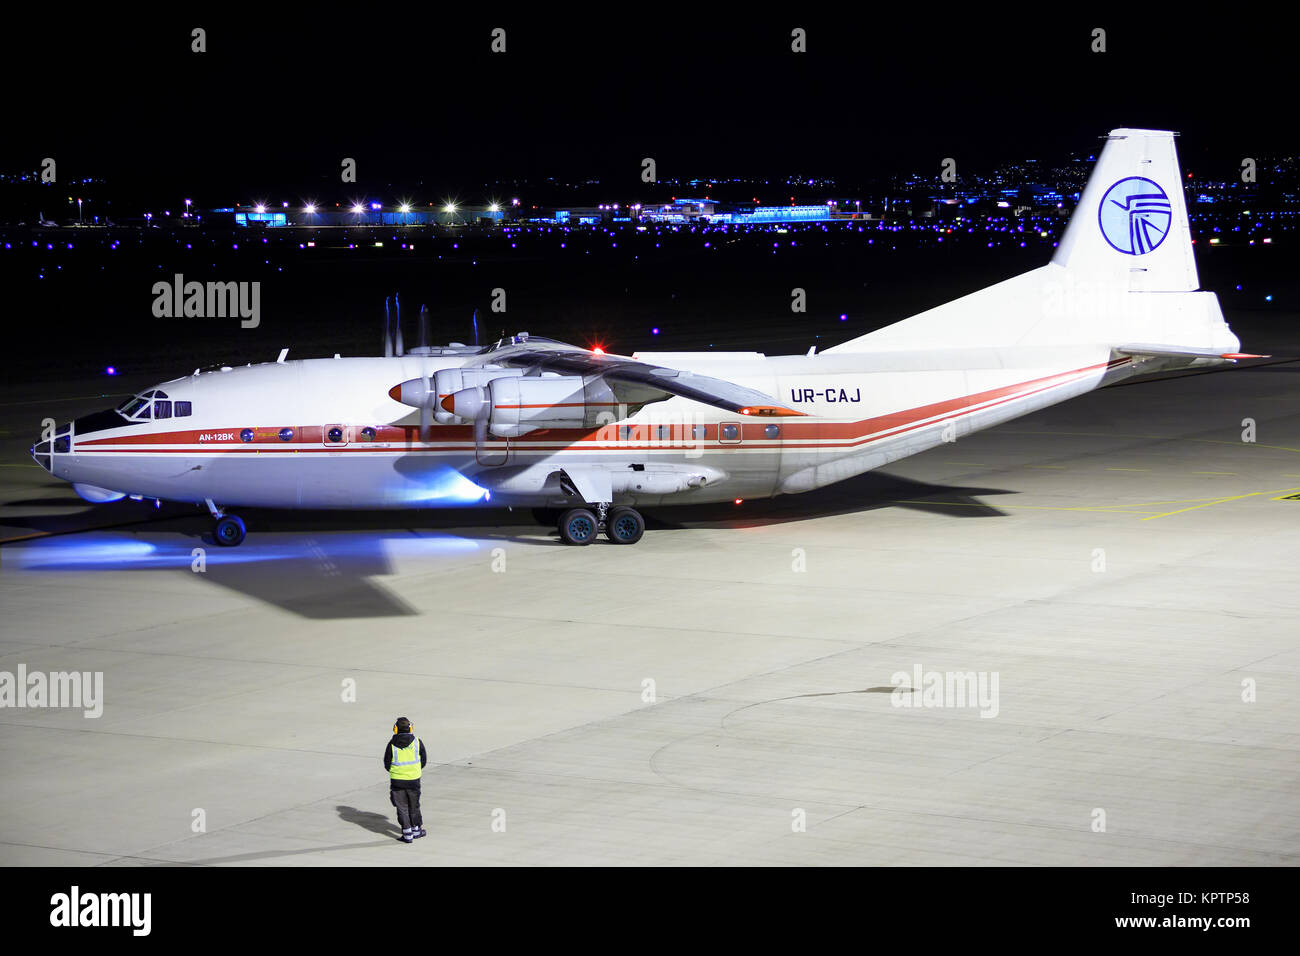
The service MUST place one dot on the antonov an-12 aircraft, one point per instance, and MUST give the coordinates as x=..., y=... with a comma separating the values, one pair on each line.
x=591, y=437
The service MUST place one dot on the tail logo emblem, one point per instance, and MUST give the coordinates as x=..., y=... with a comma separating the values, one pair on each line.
x=1135, y=216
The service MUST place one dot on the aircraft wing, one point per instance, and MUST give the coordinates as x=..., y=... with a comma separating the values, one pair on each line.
x=617, y=371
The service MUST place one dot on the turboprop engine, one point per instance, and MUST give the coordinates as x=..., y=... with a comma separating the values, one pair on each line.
x=516, y=405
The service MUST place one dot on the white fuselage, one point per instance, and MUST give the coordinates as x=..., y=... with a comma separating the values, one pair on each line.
x=260, y=435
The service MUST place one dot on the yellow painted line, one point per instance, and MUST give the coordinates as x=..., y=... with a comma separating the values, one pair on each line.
x=1219, y=501
x=1134, y=509
x=1128, y=469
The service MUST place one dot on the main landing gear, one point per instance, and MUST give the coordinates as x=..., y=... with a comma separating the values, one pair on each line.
x=622, y=525
x=228, y=530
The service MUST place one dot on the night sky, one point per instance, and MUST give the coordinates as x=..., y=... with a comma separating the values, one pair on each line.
x=418, y=98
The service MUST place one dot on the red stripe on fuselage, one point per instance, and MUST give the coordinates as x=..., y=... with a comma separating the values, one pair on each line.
x=847, y=434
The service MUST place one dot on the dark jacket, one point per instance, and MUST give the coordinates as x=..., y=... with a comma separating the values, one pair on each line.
x=403, y=740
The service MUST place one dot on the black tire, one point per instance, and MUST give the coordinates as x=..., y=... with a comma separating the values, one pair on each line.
x=578, y=526
x=229, y=531
x=546, y=516
x=624, y=525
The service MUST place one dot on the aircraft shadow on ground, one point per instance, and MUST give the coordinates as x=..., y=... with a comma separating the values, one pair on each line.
x=325, y=565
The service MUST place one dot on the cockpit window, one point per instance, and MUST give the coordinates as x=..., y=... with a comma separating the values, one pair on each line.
x=153, y=404
x=133, y=407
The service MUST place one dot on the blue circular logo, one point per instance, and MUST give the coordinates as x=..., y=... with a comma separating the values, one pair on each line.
x=1135, y=216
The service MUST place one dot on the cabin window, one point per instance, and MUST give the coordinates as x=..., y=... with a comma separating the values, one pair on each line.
x=730, y=432
x=368, y=433
x=772, y=431
x=697, y=431
x=162, y=409
x=182, y=409
x=246, y=435
x=336, y=434
x=286, y=434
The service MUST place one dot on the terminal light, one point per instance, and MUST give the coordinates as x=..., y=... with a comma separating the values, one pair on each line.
x=358, y=208
x=309, y=209
x=404, y=207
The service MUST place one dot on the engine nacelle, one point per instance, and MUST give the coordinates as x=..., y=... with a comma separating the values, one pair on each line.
x=518, y=405
x=526, y=404
x=449, y=381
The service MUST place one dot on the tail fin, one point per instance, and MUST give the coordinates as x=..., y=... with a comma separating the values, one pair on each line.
x=1130, y=227
x=1123, y=273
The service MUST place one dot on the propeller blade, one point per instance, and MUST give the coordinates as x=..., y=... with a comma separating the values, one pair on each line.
x=388, y=331
x=476, y=326
x=480, y=429
x=424, y=326
x=397, y=326
x=426, y=411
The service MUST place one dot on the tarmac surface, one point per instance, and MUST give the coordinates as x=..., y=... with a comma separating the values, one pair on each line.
x=728, y=691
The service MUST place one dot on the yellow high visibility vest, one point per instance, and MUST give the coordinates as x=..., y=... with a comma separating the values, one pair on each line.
x=405, y=764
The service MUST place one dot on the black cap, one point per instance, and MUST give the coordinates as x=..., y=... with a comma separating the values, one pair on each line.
x=403, y=725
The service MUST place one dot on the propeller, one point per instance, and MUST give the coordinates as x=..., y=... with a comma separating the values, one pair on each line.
x=424, y=327
x=426, y=414
x=397, y=325
x=388, y=331
x=476, y=326
x=472, y=403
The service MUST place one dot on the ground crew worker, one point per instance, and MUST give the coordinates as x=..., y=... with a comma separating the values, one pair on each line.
x=404, y=759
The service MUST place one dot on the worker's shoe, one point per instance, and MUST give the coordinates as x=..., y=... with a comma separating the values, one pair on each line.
x=407, y=836
x=419, y=832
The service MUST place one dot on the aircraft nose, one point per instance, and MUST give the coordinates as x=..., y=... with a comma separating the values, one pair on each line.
x=45, y=448
x=41, y=454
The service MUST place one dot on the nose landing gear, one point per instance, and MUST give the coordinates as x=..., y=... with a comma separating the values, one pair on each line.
x=229, y=529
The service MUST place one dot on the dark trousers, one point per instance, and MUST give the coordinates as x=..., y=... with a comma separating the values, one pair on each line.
x=408, y=808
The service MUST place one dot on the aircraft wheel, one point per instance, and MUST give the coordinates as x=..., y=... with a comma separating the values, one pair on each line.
x=624, y=525
x=578, y=526
x=229, y=530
